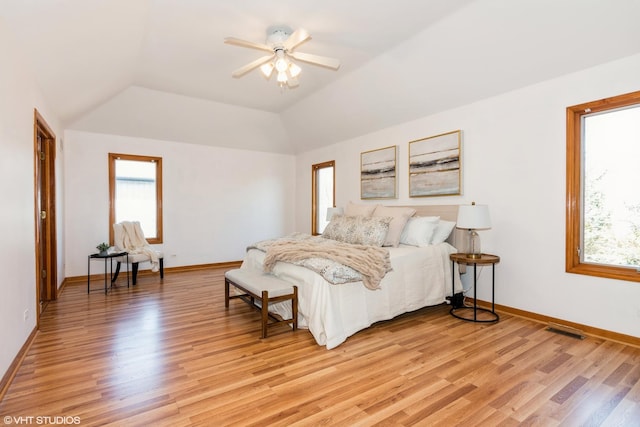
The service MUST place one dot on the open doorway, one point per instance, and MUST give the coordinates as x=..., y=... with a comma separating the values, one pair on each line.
x=45, y=213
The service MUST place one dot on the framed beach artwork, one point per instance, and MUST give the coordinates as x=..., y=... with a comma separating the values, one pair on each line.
x=378, y=173
x=434, y=165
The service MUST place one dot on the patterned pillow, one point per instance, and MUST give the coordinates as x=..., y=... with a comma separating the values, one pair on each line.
x=359, y=230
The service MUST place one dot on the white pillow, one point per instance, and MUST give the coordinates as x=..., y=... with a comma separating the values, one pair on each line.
x=354, y=209
x=443, y=230
x=399, y=216
x=419, y=231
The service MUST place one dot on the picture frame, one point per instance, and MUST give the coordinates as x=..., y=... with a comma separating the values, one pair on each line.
x=378, y=173
x=435, y=165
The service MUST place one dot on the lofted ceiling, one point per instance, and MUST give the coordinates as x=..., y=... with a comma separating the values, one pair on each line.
x=401, y=59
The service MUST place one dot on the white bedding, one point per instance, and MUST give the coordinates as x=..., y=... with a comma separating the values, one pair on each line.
x=421, y=277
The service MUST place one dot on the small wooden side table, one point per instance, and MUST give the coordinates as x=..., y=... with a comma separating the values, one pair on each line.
x=484, y=259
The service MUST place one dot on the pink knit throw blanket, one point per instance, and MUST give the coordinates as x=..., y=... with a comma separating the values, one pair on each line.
x=371, y=262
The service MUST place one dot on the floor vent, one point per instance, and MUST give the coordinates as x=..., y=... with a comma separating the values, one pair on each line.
x=565, y=330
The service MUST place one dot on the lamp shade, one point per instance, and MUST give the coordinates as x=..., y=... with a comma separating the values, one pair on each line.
x=473, y=217
x=333, y=211
x=267, y=69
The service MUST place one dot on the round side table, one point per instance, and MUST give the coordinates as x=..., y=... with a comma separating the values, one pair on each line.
x=483, y=259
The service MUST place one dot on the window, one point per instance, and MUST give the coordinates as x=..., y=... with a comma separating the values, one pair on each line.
x=135, y=193
x=603, y=202
x=323, y=194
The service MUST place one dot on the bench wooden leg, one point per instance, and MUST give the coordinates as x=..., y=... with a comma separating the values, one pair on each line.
x=226, y=293
x=294, y=308
x=265, y=312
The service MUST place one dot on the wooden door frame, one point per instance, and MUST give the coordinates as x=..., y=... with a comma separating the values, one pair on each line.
x=46, y=166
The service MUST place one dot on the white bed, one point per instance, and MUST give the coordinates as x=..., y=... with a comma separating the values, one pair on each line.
x=421, y=277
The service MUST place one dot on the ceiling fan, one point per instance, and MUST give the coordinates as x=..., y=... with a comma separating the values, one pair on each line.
x=281, y=43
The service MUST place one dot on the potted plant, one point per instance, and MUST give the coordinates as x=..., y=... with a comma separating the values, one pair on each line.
x=103, y=247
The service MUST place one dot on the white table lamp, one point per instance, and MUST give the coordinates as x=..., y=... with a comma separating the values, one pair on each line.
x=473, y=217
x=333, y=211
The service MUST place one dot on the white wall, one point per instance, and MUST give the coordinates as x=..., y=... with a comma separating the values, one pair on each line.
x=216, y=200
x=514, y=161
x=18, y=98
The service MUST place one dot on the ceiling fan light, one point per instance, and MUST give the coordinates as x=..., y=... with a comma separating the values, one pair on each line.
x=267, y=69
x=293, y=82
x=282, y=77
x=294, y=70
x=282, y=65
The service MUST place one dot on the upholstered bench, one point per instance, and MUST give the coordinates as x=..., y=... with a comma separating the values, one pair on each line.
x=263, y=288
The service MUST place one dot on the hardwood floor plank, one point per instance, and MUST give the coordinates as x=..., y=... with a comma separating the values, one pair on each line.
x=569, y=389
x=625, y=413
x=607, y=401
x=431, y=409
x=169, y=354
x=618, y=374
x=392, y=410
x=471, y=415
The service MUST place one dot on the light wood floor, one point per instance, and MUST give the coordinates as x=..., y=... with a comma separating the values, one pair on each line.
x=171, y=355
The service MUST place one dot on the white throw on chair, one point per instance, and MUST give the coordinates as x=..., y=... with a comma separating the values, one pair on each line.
x=128, y=236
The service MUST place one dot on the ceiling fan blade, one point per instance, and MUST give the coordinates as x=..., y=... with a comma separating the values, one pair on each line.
x=243, y=43
x=251, y=65
x=316, y=59
x=298, y=37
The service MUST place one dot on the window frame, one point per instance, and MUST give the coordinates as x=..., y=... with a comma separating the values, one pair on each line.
x=314, y=194
x=574, y=189
x=112, y=191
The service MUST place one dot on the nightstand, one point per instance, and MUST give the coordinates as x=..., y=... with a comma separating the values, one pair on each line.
x=484, y=259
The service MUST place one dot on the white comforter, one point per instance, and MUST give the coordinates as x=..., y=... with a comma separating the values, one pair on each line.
x=421, y=277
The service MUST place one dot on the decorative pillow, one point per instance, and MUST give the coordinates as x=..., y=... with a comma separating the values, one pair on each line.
x=359, y=230
x=362, y=210
x=443, y=230
x=400, y=217
x=419, y=230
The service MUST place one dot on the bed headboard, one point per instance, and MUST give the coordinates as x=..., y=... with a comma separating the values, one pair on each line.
x=446, y=212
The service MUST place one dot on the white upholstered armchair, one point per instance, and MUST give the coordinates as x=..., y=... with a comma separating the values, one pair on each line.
x=128, y=236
